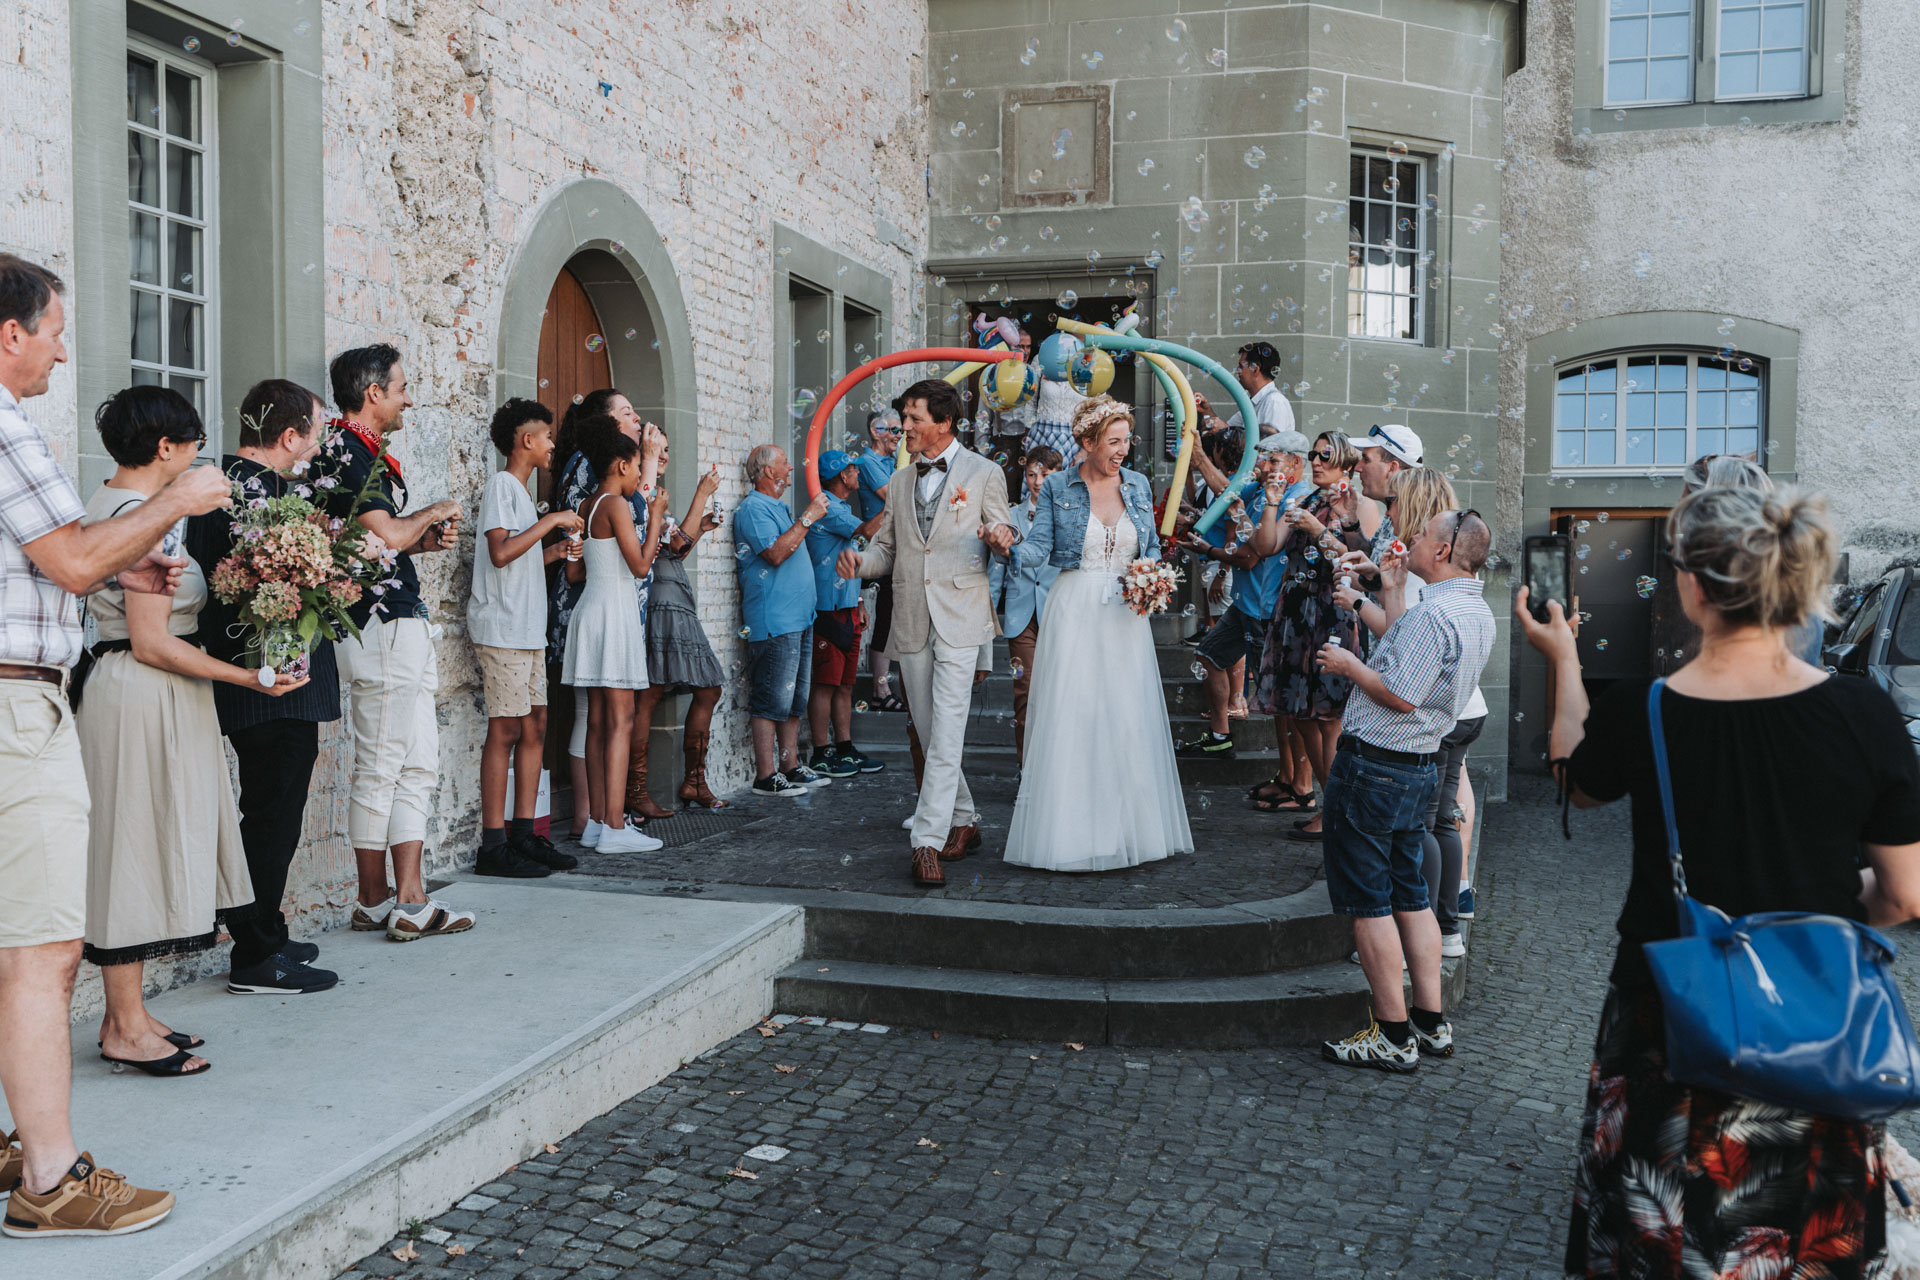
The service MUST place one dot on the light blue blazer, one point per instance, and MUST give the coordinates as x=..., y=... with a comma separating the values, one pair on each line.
x=1060, y=523
x=1019, y=594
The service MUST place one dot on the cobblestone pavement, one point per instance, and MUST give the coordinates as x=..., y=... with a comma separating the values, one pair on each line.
x=910, y=1154
x=847, y=836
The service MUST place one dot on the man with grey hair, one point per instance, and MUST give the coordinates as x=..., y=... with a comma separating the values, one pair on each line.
x=1237, y=641
x=777, y=601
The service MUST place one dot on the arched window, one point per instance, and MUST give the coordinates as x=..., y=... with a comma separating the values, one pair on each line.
x=1656, y=410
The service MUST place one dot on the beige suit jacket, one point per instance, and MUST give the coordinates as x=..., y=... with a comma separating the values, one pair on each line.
x=940, y=582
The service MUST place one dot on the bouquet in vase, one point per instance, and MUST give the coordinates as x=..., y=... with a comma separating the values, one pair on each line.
x=1148, y=586
x=295, y=571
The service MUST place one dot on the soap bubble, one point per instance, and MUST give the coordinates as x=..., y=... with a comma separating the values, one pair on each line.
x=233, y=39
x=1033, y=51
x=958, y=129
x=1254, y=157
x=302, y=27
x=1194, y=213
x=1645, y=586
x=1033, y=180
x=1199, y=672
x=1218, y=57
x=1146, y=166
x=860, y=706
x=595, y=342
x=1094, y=59
x=745, y=632
x=1600, y=645
x=823, y=336
x=190, y=44
x=632, y=334
x=1068, y=300
x=803, y=402
x=1060, y=141
x=1177, y=30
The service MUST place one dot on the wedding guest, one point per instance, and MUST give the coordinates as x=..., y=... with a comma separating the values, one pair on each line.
x=573, y=483
x=391, y=668
x=680, y=658
x=876, y=462
x=838, y=621
x=776, y=598
x=1020, y=593
x=607, y=641
x=1740, y=472
x=164, y=858
x=506, y=620
x=1255, y=371
x=47, y=558
x=1751, y=730
x=1406, y=697
x=275, y=734
x=1385, y=452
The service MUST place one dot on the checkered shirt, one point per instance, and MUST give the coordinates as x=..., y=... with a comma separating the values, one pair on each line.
x=1431, y=657
x=39, y=622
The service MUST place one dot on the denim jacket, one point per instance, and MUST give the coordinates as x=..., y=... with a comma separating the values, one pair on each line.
x=1060, y=520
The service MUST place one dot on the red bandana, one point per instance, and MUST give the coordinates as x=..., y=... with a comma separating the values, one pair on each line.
x=371, y=438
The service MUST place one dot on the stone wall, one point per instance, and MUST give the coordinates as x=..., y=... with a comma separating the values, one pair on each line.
x=449, y=125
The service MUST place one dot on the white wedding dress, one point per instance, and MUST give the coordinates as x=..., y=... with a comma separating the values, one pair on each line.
x=1100, y=789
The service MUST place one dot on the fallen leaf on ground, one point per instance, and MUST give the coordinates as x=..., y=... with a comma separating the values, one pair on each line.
x=823, y=971
x=784, y=1069
x=456, y=1251
x=927, y=1142
x=406, y=1253
x=742, y=1173
x=1033, y=1057
x=1513, y=1164
x=553, y=1149
x=1075, y=1046
x=768, y=1032
x=734, y=1093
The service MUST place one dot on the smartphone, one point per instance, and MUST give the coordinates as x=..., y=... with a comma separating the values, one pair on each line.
x=1548, y=571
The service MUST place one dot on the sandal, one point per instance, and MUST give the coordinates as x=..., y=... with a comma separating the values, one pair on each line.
x=892, y=702
x=1291, y=802
x=174, y=1065
x=1268, y=790
x=1237, y=709
x=178, y=1039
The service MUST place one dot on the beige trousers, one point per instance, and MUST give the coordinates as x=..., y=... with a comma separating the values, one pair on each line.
x=393, y=676
x=939, y=685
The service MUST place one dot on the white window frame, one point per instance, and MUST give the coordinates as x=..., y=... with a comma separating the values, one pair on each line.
x=1805, y=48
x=1422, y=241
x=1621, y=361
x=208, y=298
x=1606, y=61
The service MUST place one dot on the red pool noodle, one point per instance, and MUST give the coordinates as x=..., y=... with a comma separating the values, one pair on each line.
x=919, y=355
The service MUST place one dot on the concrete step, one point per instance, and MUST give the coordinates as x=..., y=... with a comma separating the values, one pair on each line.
x=329, y=1120
x=989, y=750
x=1254, y=938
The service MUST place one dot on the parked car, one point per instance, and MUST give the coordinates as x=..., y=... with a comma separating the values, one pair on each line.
x=1878, y=636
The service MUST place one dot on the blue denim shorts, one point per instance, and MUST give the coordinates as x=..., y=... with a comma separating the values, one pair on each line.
x=1376, y=815
x=1234, y=637
x=780, y=669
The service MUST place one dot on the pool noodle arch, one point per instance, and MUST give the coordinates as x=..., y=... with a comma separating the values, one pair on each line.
x=1180, y=393
x=919, y=355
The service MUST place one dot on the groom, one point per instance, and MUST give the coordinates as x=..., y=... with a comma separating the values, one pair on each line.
x=943, y=513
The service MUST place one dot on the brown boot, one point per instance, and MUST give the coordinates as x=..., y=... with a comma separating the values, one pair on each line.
x=960, y=842
x=693, y=787
x=926, y=866
x=639, y=799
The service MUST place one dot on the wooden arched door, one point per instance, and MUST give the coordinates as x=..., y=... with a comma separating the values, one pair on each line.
x=573, y=349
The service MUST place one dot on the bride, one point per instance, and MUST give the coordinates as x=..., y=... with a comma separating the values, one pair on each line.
x=1096, y=715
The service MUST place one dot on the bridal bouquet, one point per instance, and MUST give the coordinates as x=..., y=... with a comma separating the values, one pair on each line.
x=1148, y=585
x=295, y=571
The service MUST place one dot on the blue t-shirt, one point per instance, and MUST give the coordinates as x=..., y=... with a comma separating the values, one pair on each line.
x=1256, y=591
x=831, y=534
x=776, y=600
x=876, y=469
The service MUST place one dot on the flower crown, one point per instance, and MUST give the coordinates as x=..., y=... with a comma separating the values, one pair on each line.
x=1093, y=413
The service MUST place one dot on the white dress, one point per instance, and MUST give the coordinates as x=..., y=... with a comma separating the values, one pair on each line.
x=1100, y=789
x=606, y=641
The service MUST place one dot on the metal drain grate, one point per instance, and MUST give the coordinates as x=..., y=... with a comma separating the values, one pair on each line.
x=689, y=826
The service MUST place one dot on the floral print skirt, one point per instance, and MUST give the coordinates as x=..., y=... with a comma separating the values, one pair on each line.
x=1677, y=1182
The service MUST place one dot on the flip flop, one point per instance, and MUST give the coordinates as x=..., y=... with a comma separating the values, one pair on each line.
x=168, y=1067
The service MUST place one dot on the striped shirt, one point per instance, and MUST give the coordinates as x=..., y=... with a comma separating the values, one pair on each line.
x=1431, y=657
x=39, y=622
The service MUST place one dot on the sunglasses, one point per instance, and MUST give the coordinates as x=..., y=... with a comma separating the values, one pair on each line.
x=1458, y=521
x=1321, y=455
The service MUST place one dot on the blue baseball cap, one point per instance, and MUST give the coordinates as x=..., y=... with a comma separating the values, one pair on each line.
x=833, y=462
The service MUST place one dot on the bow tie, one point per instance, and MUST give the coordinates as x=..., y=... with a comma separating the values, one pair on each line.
x=939, y=464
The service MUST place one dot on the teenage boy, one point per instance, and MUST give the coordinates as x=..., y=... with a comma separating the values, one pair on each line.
x=507, y=621
x=838, y=621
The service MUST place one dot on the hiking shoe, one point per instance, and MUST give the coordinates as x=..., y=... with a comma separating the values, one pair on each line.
x=1452, y=946
x=776, y=784
x=1208, y=747
x=800, y=775
x=89, y=1201
x=1437, y=1045
x=831, y=763
x=430, y=919
x=1371, y=1048
x=1466, y=904
x=864, y=763
x=537, y=848
x=13, y=1163
x=280, y=975
x=371, y=919
x=508, y=862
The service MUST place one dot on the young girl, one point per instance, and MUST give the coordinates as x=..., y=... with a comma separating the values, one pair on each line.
x=606, y=640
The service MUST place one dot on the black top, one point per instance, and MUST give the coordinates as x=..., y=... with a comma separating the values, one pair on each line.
x=1774, y=798
x=354, y=464
x=222, y=634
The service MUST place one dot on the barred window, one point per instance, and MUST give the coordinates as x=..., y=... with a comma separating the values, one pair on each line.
x=1387, y=246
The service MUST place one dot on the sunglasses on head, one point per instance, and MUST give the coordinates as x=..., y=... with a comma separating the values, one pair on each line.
x=1458, y=521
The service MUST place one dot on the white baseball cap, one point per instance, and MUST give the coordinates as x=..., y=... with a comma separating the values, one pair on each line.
x=1397, y=440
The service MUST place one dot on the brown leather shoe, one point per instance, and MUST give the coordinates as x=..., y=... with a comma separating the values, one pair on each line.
x=926, y=866
x=960, y=842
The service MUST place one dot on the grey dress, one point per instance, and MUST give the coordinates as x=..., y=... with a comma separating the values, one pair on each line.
x=679, y=656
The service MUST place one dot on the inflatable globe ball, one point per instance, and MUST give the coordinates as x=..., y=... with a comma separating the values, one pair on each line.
x=1008, y=384
x=1054, y=354
x=1090, y=371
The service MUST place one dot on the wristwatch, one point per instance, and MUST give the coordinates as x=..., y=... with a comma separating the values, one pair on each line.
x=806, y=522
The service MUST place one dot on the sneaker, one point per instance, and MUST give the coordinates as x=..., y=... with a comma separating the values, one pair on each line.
x=801, y=775
x=864, y=763
x=1371, y=1048
x=831, y=763
x=1353, y=957
x=629, y=839
x=906, y=823
x=280, y=975
x=591, y=836
x=372, y=919
x=13, y=1163
x=430, y=919
x=300, y=952
x=1466, y=904
x=90, y=1201
x=1207, y=747
x=506, y=861
x=537, y=848
x=776, y=784
x=1437, y=1045
x=1452, y=946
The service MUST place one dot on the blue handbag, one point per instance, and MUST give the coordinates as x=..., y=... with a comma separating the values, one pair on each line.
x=1791, y=1008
